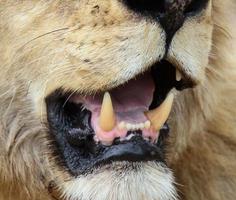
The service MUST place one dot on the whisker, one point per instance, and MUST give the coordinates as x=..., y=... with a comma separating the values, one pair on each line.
x=40, y=36
x=223, y=30
x=68, y=98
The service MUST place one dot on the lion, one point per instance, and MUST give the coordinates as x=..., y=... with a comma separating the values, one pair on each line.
x=118, y=99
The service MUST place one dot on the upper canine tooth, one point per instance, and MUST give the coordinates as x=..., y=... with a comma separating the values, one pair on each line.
x=159, y=115
x=178, y=75
x=107, y=120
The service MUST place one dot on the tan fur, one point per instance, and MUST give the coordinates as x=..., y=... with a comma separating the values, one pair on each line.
x=91, y=45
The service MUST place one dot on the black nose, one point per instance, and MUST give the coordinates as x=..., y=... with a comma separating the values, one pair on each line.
x=170, y=13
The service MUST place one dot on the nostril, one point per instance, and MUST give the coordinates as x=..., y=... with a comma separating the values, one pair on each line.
x=146, y=6
x=157, y=7
x=171, y=14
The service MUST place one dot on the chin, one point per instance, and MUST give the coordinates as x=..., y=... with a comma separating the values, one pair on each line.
x=123, y=180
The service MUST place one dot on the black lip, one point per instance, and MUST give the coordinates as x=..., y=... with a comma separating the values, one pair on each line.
x=135, y=150
x=83, y=159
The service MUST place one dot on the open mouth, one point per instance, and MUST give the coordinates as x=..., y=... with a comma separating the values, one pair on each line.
x=127, y=123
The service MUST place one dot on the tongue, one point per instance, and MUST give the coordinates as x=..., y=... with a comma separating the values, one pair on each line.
x=130, y=101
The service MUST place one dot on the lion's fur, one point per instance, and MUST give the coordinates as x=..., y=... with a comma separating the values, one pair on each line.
x=211, y=149
x=202, y=148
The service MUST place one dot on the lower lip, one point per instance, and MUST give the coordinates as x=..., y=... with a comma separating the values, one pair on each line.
x=136, y=150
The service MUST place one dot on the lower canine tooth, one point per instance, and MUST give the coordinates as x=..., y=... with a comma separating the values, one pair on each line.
x=159, y=115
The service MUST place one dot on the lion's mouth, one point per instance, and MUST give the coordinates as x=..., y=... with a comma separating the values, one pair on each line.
x=127, y=123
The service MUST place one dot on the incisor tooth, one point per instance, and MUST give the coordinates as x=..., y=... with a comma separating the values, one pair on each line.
x=178, y=75
x=107, y=120
x=159, y=115
x=147, y=124
x=122, y=125
x=128, y=126
x=141, y=125
x=133, y=127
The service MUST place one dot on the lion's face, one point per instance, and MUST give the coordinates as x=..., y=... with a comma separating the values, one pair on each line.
x=66, y=55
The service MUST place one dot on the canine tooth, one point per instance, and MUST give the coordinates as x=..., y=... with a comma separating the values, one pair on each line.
x=159, y=115
x=107, y=120
x=147, y=124
x=121, y=125
x=178, y=75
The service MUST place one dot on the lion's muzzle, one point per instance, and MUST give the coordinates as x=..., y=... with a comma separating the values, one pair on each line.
x=127, y=123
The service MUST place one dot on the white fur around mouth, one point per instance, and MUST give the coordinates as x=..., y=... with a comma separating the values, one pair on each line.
x=115, y=183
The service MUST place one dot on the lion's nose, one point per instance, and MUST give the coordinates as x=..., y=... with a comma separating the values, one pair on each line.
x=170, y=13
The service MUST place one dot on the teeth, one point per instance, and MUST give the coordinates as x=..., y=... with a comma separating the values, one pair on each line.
x=107, y=120
x=141, y=126
x=129, y=137
x=178, y=75
x=134, y=127
x=147, y=124
x=121, y=126
x=159, y=115
x=129, y=126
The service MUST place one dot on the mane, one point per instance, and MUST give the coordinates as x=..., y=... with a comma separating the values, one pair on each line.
x=205, y=143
